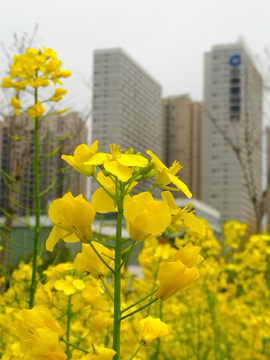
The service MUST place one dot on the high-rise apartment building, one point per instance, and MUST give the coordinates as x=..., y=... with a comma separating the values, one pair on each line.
x=16, y=158
x=232, y=100
x=127, y=108
x=183, y=140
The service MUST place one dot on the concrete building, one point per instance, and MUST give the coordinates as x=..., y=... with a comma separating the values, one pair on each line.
x=127, y=108
x=16, y=158
x=183, y=140
x=233, y=100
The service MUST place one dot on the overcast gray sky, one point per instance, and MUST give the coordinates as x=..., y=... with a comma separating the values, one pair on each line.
x=167, y=37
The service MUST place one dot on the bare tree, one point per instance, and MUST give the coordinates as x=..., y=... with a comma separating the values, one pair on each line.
x=244, y=149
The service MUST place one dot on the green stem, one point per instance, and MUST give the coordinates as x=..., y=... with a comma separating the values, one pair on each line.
x=141, y=308
x=153, y=187
x=68, y=326
x=103, y=243
x=117, y=273
x=158, y=340
x=125, y=240
x=137, y=302
x=154, y=284
x=73, y=345
x=106, y=287
x=127, y=255
x=37, y=207
x=100, y=227
x=138, y=349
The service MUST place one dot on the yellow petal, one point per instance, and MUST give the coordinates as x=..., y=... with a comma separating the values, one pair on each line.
x=103, y=202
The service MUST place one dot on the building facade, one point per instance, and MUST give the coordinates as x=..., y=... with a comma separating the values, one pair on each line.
x=232, y=117
x=127, y=108
x=16, y=159
x=183, y=140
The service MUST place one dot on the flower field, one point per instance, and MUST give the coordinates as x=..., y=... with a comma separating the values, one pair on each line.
x=197, y=299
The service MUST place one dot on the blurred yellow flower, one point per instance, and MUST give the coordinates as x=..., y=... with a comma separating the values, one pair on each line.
x=72, y=218
x=88, y=260
x=64, y=73
x=145, y=216
x=35, y=82
x=164, y=176
x=62, y=111
x=49, y=52
x=149, y=329
x=117, y=163
x=44, y=344
x=58, y=94
x=180, y=273
x=69, y=285
x=7, y=83
x=82, y=153
x=36, y=111
x=189, y=255
x=14, y=102
x=38, y=317
x=174, y=276
x=99, y=353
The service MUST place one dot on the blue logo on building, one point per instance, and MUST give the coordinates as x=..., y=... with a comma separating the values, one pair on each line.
x=235, y=60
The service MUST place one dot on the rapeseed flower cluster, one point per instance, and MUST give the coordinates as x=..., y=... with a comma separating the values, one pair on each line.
x=32, y=70
x=223, y=315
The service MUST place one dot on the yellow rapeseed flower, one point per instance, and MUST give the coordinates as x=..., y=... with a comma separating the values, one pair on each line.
x=182, y=218
x=7, y=83
x=101, y=201
x=99, y=353
x=43, y=345
x=118, y=164
x=36, y=82
x=189, y=255
x=179, y=273
x=36, y=111
x=62, y=111
x=174, y=276
x=38, y=317
x=48, y=52
x=149, y=329
x=82, y=153
x=164, y=176
x=72, y=218
x=88, y=260
x=58, y=94
x=145, y=216
x=14, y=102
x=69, y=285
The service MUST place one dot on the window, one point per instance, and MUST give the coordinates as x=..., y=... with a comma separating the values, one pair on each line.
x=235, y=80
x=235, y=90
